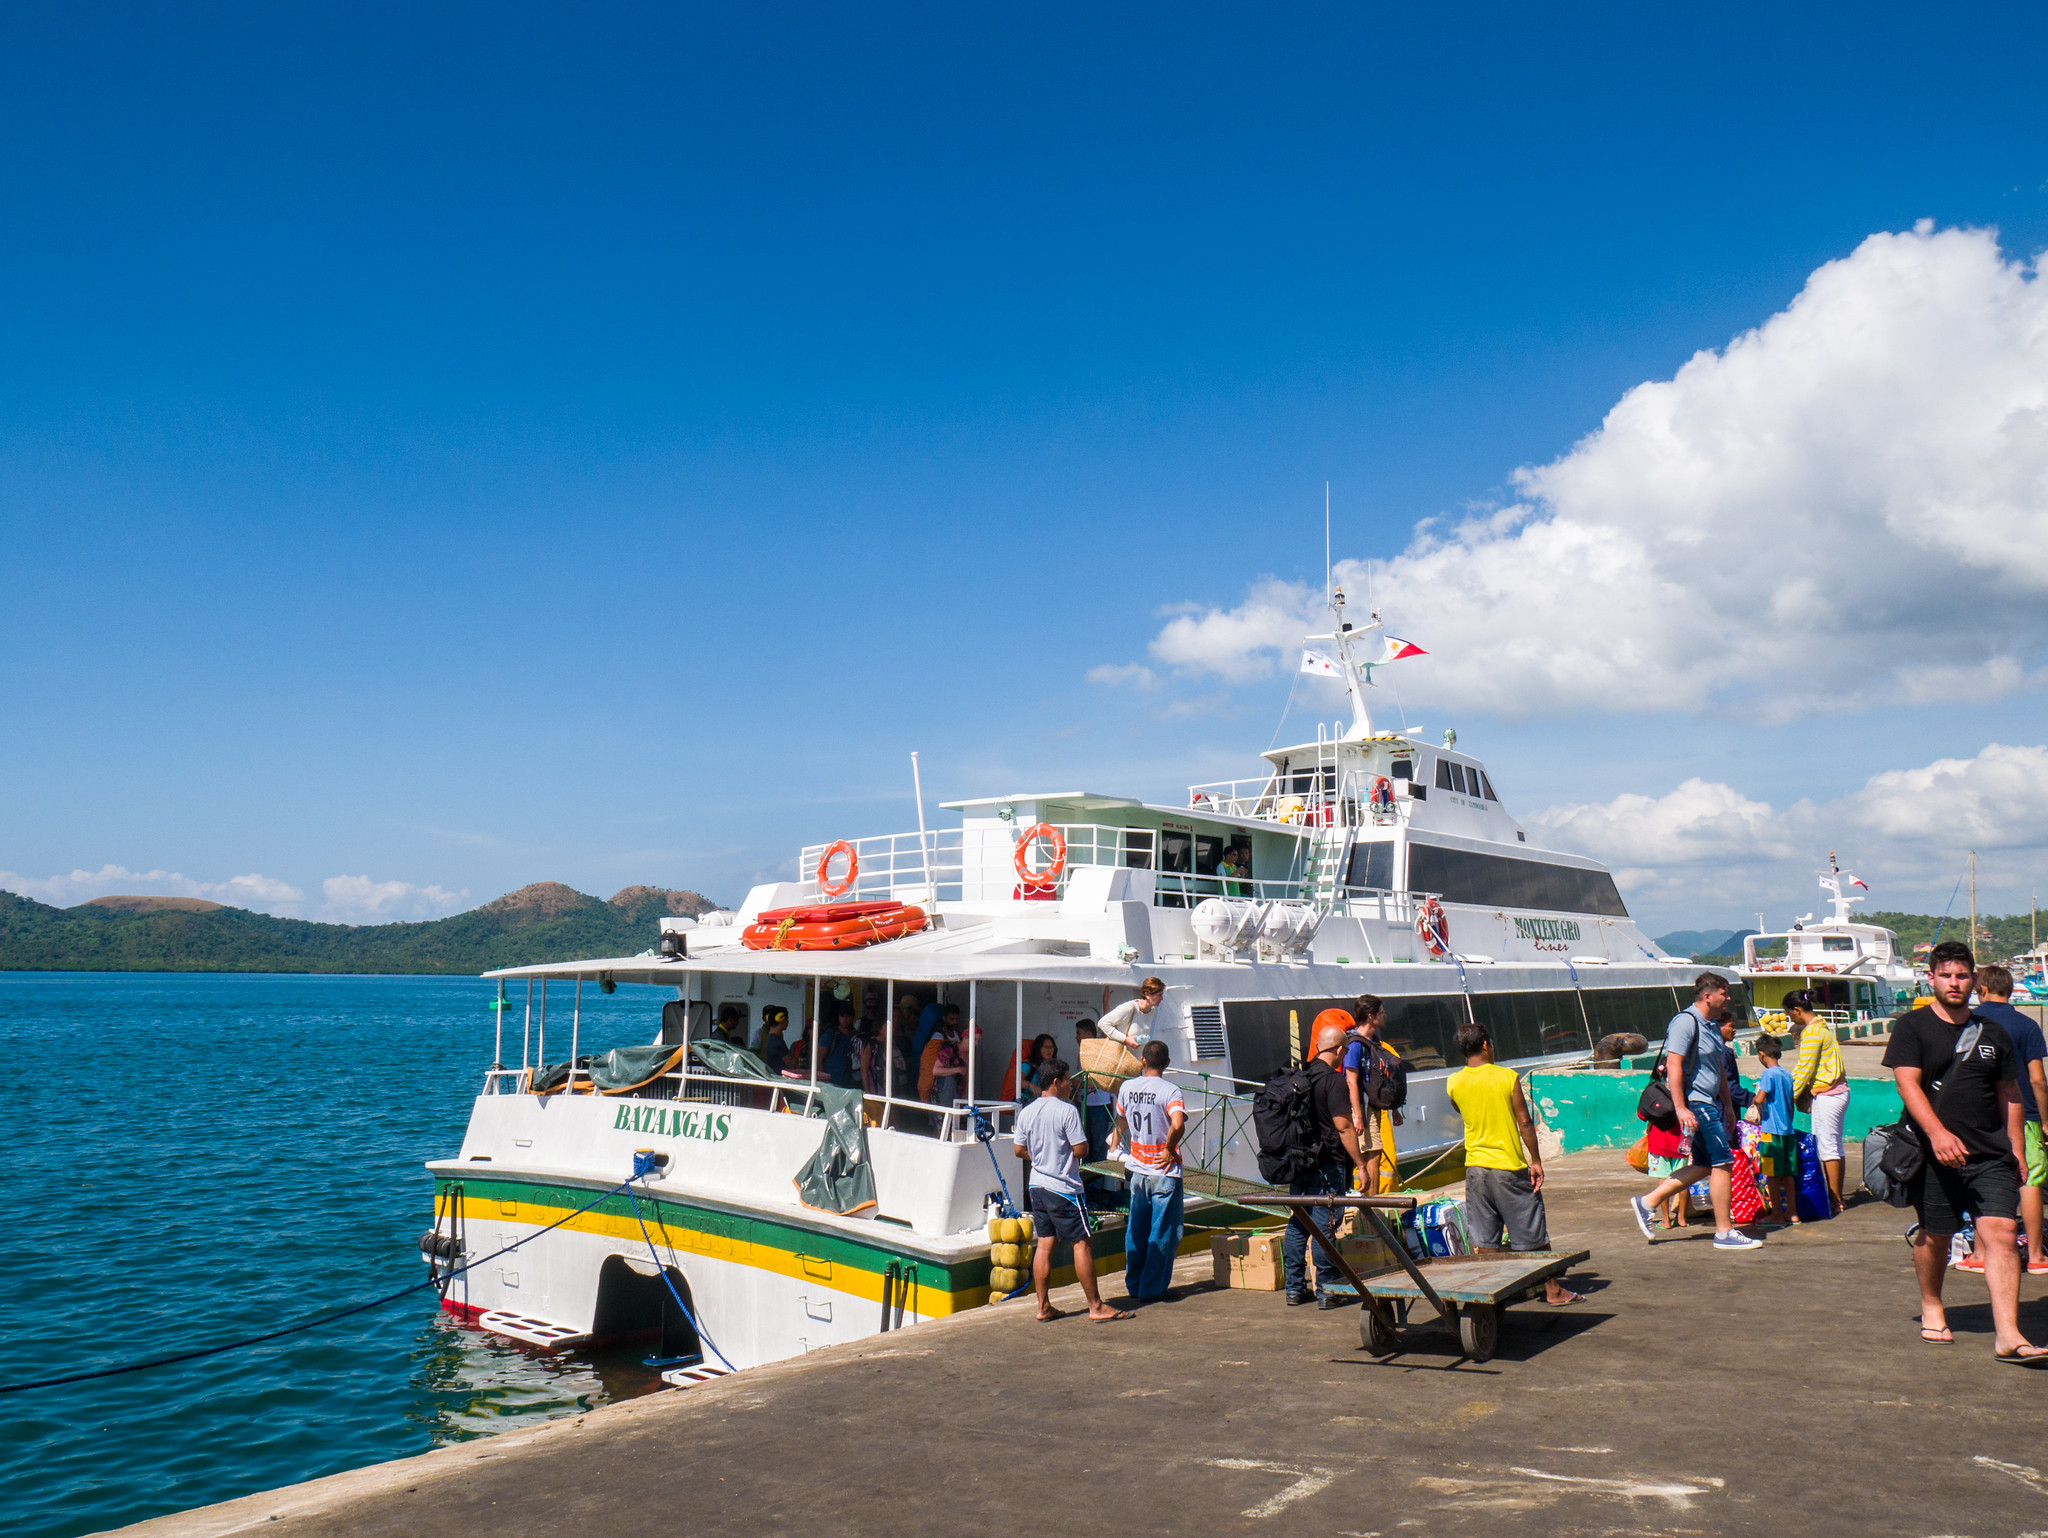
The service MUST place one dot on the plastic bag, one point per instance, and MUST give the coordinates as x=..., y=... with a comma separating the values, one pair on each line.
x=1639, y=1156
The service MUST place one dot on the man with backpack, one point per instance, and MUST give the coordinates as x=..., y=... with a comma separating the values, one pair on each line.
x=1377, y=1079
x=1695, y=1077
x=1306, y=1135
x=1958, y=1076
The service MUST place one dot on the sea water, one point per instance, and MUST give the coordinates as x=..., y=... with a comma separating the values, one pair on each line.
x=191, y=1158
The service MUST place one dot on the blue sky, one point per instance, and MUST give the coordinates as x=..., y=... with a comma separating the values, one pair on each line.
x=443, y=450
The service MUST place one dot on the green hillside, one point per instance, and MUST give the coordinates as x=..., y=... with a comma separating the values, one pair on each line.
x=543, y=922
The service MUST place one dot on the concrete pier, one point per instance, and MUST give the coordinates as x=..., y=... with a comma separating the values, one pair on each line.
x=1779, y=1391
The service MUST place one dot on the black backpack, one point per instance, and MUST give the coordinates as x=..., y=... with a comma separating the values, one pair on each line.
x=1386, y=1079
x=1284, y=1121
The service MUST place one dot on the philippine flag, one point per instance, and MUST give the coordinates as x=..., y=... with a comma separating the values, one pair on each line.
x=1398, y=648
x=1316, y=662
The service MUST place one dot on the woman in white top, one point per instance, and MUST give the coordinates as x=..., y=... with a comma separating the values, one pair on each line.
x=1131, y=1023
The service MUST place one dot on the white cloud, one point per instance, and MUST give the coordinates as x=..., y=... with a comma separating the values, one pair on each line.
x=262, y=893
x=1135, y=674
x=1906, y=832
x=359, y=900
x=1800, y=521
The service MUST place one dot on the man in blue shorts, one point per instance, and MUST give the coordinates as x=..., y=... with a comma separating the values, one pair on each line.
x=1994, y=1002
x=1049, y=1134
x=1695, y=1068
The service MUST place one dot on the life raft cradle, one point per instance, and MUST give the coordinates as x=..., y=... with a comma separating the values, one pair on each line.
x=832, y=926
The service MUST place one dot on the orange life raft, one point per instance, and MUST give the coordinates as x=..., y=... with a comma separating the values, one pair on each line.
x=832, y=926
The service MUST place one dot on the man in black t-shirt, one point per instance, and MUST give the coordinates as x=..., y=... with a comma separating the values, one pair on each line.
x=1958, y=1075
x=1330, y=1103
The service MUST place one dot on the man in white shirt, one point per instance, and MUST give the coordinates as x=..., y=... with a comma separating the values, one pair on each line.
x=1151, y=1119
x=1049, y=1135
x=1132, y=1023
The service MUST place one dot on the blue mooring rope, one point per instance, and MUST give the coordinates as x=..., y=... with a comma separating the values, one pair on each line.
x=358, y=1308
x=643, y=1163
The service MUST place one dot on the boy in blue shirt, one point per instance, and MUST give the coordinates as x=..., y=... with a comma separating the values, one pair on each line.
x=1774, y=1121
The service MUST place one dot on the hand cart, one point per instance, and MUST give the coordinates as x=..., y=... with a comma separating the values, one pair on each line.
x=1468, y=1292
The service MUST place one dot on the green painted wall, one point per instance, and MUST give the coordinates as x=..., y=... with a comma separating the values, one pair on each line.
x=1598, y=1110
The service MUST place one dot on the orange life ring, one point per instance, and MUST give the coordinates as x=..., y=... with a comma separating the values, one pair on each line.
x=1432, y=927
x=1022, y=859
x=1382, y=791
x=852, y=869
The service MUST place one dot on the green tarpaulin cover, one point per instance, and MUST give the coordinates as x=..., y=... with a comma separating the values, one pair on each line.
x=838, y=1177
x=613, y=1072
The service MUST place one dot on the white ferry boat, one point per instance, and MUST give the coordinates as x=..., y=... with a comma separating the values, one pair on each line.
x=1365, y=861
x=1857, y=971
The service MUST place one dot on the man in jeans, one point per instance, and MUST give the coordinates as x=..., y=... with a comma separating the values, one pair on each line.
x=1330, y=1101
x=1151, y=1119
x=1696, y=1069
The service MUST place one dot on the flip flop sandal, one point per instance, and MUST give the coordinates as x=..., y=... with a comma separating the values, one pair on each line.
x=1940, y=1337
x=1122, y=1313
x=1049, y=1318
x=2015, y=1359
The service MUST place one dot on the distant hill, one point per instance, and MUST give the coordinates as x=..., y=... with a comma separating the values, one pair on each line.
x=543, y=922
x=1704, y=942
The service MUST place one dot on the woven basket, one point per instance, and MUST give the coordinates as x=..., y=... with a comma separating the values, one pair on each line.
x=1105, y=1064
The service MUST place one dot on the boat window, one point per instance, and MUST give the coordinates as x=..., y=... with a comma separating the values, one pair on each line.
x=1837, y=943
x=1176, y=852
x=1138, y=849
x=1532, y=1024
x=1504, y=881
x=1485, y=785
x=1208, y=850
x=1372, y=865
x=1420, y=1029
x=1645, y=1011
x=1443, y=774
x=1404, y=769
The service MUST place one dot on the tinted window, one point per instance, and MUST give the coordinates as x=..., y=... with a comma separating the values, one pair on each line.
x=1176, y=851
x=1485, y=785
x=1502, y=881
x=1443, y=774
x=1420, y=1028
x=1266, y=1034
x=1837, y=943
x=1532, y=1024
x=1458, y=779
x=1138, y=850
x=1645, y=1011
x=1208, y=850
x=1372, y=865
x=1404, y=769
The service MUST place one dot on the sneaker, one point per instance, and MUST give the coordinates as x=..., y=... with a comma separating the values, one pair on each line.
x=1296, y=1299
x=1642, y=1211
x=1970, y=1262
x=2037, y=1267
x=1735, y=1239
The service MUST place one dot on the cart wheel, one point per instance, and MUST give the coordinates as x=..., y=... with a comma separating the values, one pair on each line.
x=1375, y=1335
x=1478, y=1328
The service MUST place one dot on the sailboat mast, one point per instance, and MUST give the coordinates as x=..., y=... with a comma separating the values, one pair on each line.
x=1973, y=902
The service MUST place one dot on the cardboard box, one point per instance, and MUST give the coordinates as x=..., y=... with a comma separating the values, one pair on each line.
x=1366, y=1252
x=1250, y=1261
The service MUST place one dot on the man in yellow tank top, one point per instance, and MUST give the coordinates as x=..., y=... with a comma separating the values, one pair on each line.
x=1503, y=1169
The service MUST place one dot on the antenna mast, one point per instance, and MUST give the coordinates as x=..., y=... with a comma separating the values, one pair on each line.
x=1326, y=544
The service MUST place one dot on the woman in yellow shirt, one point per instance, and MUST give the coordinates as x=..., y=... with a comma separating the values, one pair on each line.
x=1820, y=1078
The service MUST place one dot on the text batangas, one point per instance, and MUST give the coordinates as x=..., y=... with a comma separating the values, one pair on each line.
x=665, y=1122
